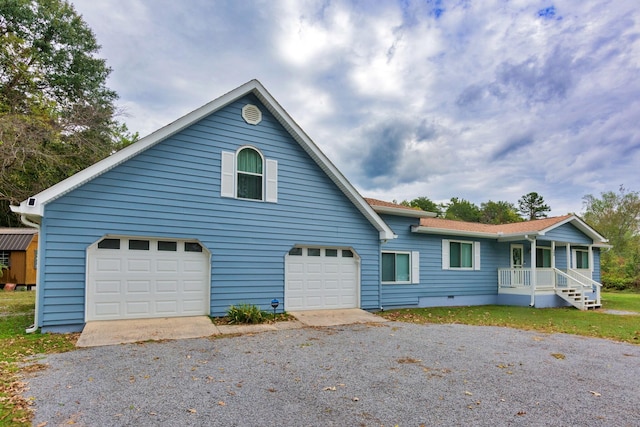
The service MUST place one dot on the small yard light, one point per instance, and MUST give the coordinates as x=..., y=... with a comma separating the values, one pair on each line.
x=274, y=303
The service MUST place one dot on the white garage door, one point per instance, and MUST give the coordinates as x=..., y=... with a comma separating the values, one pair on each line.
x=321, y=278
x=131, y=278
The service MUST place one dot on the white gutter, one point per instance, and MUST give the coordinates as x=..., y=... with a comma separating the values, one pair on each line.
x=34, y=327
x=431, y=230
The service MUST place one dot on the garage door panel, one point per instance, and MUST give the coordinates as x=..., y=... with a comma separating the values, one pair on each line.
x=109, y=265
x=137, y=308
x=124, y=283
x=107, y=287
x=166, y=307
x=167, y=266
x=107, y=309
x=139, y=265
x=165, y=286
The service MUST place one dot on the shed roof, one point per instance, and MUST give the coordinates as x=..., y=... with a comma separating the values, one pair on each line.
x=16, y=239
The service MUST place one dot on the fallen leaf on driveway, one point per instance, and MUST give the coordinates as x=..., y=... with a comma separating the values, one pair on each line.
x=221, y=403
x=329, y=389
x=193, y=411
x=468, y=393
x=558, y=356
x=595, y=393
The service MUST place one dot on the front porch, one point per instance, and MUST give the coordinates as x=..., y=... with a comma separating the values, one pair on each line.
x=574, y=286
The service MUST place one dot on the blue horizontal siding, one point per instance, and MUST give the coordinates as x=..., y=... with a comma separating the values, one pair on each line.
x=567, y=233
x=434, y=281
x=172, y=190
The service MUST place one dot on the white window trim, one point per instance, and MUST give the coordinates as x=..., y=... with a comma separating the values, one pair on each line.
x=544, y=248
x=446, y=256
x=414, y=268
x=229, y=176
x=574, y=259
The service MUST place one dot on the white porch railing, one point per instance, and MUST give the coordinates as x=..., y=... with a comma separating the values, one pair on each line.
x=519, y=280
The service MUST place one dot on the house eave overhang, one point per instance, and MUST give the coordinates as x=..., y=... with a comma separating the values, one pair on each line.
x=33, y=208
x=404, y=212
x=450, y=232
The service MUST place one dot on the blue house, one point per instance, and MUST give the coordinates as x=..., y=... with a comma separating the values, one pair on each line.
x=234, y=203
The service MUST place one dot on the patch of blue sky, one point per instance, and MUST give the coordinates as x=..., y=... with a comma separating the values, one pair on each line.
x=548, y=13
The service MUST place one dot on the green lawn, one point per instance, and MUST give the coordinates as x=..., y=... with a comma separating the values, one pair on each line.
x=594, y=323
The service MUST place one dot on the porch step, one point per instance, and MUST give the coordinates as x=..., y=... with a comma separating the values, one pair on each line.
x=576, y=298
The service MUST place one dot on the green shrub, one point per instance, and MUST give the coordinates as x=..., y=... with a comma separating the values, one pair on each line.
x=617, y=283
x=246, y=313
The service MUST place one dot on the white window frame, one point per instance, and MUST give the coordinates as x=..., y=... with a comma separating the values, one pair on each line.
x=543, y=249
x=229, y=176
x=574, y=260
x=414, y=268
x=446, y=255
x=5, y=258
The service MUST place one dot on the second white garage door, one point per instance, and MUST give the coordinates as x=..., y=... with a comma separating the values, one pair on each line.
x=321, y=278
x=134, y=278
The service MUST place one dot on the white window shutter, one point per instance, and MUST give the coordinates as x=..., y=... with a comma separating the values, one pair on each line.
x=476, y=255
x=415, y=267
x=445, y=254
x=227, y=174
x=271, y=174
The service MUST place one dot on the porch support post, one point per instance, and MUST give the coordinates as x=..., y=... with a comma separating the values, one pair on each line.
x=568, y=257
x=533, y=270
x=553, y=263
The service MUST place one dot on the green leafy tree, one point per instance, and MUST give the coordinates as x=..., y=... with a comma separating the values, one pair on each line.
x=498, y=213
x=617, y=217
x=425, y=204
x=532, y=206
x=462, y=210
x=56, y=114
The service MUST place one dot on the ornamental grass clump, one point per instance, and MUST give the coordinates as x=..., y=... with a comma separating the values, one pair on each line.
x=246, y=313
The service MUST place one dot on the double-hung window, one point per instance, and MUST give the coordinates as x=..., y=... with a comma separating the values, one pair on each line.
x=400, y=267
x=460, y=255
x=581, y=259
x=543, y=257
x=249, y=174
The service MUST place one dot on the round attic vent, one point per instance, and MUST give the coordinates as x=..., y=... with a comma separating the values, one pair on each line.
x=251, y=114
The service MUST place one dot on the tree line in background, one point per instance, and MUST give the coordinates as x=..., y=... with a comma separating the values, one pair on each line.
x=530, y=206
x=615, y=215
x=57, y=116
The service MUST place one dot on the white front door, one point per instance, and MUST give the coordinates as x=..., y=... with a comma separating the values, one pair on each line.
x=135, y=278
x=321, y=278
x=517, y=264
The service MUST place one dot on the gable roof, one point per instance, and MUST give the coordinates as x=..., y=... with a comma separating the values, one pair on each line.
x=33, y=207
x=16, y=239
x=512, y=231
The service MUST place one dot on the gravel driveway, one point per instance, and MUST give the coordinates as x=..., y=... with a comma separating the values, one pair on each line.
x=360, y=375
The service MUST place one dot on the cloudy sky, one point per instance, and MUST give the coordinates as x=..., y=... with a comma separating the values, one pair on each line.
x=481, y=100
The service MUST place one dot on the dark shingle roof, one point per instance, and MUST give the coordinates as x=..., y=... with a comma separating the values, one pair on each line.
x=16, y=239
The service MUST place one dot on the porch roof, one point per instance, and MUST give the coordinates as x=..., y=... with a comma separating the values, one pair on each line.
x=517, y=230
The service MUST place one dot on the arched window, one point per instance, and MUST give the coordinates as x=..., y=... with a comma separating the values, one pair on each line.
x=250, y=174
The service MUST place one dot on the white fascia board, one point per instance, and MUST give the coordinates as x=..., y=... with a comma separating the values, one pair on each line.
x=449, y=232
x=404, y=212
x=323, y=161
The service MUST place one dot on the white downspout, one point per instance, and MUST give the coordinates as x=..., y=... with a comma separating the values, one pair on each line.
x=533, y=270
x=28, y=223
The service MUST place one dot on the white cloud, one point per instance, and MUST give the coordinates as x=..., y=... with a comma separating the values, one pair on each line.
x=479, y=100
